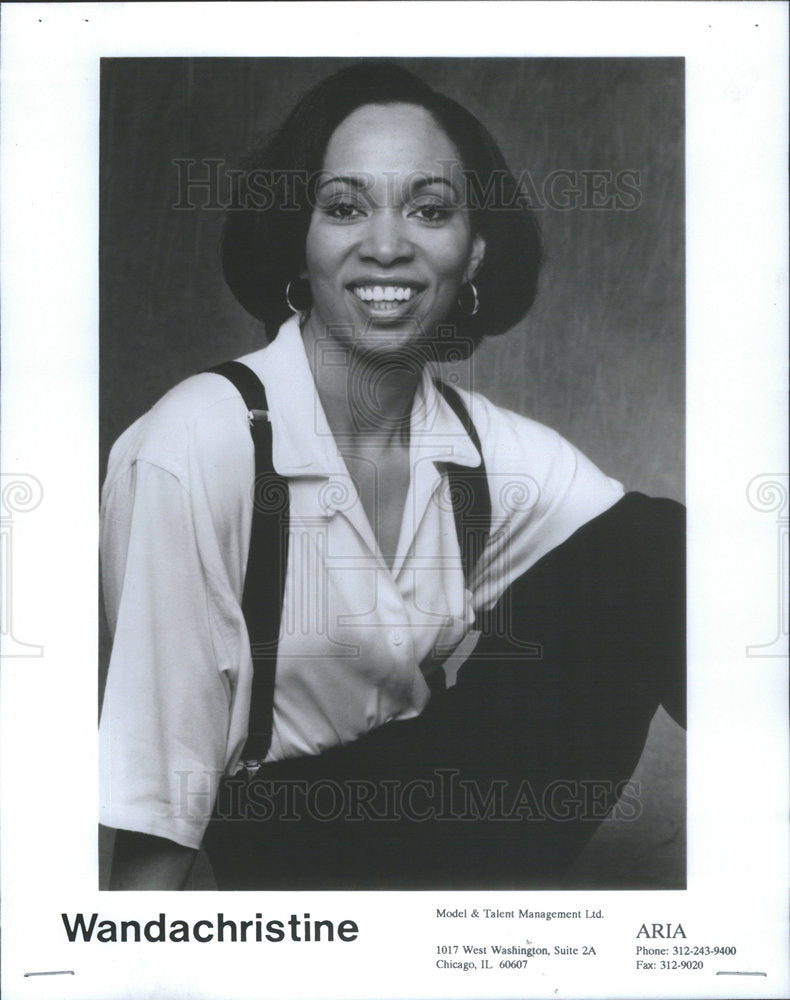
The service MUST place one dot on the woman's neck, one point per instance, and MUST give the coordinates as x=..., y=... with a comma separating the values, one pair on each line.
x=367, y=398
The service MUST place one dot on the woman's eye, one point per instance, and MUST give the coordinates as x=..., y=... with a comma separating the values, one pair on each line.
x=432, y=212
x=342, y=210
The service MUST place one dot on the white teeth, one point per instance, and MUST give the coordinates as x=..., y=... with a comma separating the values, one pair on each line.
x=383, y=293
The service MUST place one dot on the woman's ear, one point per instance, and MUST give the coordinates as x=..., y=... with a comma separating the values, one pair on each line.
x=476, y=257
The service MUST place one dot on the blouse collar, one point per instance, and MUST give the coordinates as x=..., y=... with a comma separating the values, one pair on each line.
x=303, y=442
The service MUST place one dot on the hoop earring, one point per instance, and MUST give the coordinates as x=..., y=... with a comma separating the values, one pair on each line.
x=475, y=299
x=289, y=303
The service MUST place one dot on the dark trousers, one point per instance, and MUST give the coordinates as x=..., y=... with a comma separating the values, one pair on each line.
x=505, y=776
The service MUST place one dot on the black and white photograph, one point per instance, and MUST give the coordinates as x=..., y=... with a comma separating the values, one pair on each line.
x=394, y=500
x=296, y=606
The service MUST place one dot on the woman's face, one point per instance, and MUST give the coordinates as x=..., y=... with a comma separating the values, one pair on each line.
x=390, y=241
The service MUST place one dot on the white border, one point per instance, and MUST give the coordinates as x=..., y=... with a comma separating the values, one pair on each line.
x=737, y=291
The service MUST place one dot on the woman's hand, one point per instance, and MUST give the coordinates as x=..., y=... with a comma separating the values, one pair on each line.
x=142, y=861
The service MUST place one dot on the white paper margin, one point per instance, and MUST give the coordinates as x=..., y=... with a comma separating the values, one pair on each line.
x=736, y=56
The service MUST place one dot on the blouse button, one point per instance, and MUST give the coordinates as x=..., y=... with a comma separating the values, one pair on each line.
x=397, y=637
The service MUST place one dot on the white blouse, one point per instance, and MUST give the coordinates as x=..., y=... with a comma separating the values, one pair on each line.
x=176, y=517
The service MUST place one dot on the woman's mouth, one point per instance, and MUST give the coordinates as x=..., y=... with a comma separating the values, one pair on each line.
x=383, y=300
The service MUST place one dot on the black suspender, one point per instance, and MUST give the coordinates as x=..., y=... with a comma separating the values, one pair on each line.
x=267, y=560
x=468, y=491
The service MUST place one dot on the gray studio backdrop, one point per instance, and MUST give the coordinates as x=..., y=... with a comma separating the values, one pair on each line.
x=599, y=358
x=599, y=145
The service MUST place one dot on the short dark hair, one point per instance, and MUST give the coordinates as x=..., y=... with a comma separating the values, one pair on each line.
x=263, y=250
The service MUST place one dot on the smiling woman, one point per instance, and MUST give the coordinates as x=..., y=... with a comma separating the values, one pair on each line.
x=391, y=241
x=389, y=245
x=290, y=606
x=425, y=147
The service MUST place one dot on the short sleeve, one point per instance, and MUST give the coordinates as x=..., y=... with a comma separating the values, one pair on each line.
x=164, y=724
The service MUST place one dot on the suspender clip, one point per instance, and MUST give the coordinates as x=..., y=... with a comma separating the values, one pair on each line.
x=251, y=767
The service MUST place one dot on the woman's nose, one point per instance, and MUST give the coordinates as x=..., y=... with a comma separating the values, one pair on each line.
x=386, y=240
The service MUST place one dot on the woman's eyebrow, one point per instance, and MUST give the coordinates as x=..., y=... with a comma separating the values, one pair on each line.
x=364, y=180
x=428, y=180
x=359, y=181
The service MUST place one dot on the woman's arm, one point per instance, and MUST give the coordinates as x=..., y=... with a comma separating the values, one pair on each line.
x=164, y=723
x=141, y=861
